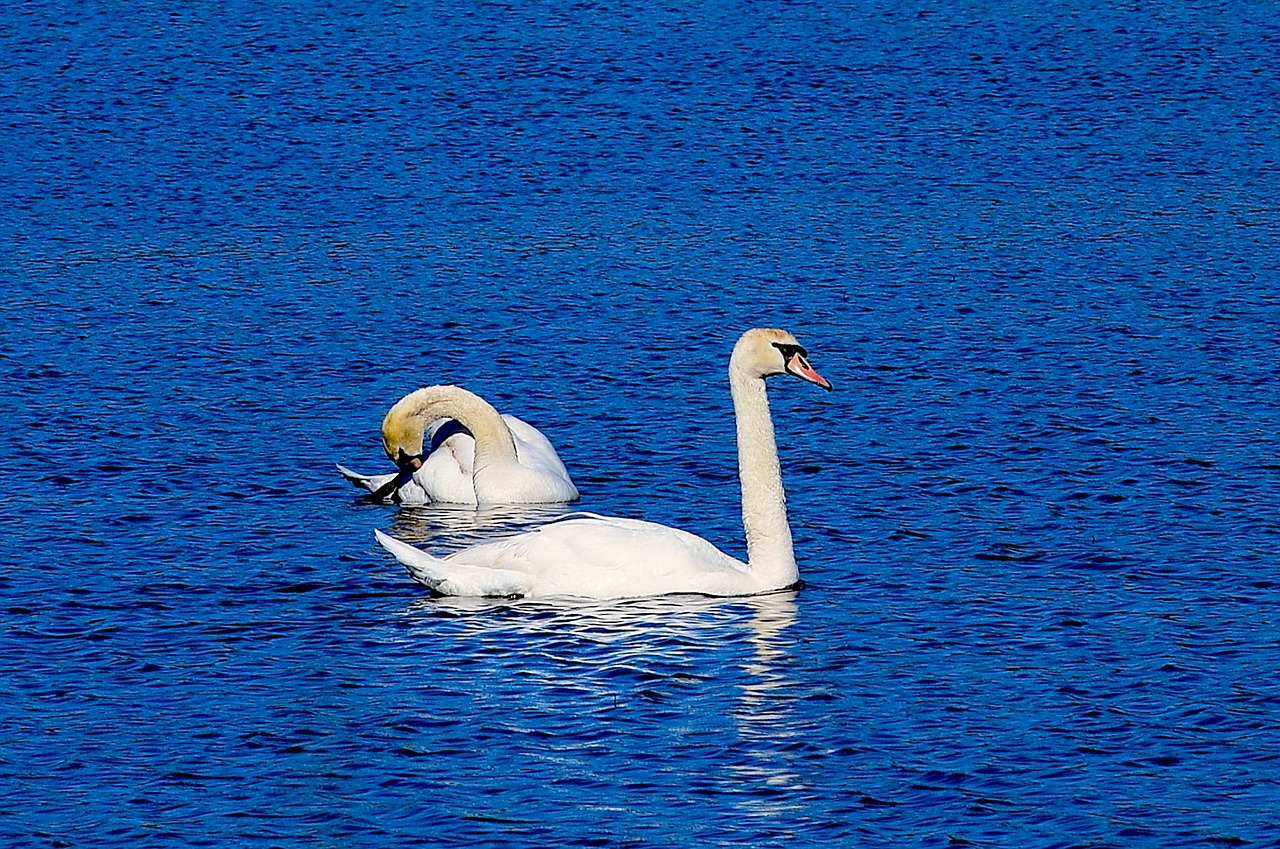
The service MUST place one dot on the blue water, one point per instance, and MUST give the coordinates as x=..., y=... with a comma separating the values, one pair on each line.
x=1033, y=245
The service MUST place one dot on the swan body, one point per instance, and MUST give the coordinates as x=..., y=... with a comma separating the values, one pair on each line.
x=590, y=556
x=476, y=456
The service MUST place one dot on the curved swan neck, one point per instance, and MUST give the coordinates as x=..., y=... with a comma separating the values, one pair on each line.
x=764, y=503
x=406, y=422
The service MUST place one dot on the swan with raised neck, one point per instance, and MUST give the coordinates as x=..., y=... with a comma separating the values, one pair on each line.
x=492, y=459
x=591, y=556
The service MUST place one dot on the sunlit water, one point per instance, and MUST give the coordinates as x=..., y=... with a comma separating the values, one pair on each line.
x=1033, y=246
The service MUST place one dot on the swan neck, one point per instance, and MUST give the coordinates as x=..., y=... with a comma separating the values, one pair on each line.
x=406, y=422
x=764, y=503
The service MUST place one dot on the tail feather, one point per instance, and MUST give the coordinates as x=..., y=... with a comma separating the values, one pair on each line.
x=449, y=578
x=369, y=482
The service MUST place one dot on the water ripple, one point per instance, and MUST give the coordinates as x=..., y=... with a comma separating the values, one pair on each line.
x=1032, y=250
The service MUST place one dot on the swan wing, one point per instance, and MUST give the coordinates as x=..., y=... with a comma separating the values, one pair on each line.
x=548, y=479
x=597, y=557
x=534, y=449
x=446, y=475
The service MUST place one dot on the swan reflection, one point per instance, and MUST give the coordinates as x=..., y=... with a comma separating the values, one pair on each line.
x=764, y=674
x=694, y=619
x=766, y=723
x=676, y=649
x=455, y=525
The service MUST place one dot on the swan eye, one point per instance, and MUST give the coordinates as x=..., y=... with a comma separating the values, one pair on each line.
x=789, y=351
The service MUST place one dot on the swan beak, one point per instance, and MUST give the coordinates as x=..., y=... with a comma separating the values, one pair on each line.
x=799, y=366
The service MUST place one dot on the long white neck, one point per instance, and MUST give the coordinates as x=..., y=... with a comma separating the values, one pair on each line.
x=405, y=423
x=764, y=504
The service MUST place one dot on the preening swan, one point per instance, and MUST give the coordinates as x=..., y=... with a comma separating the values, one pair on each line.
x=475, y=455
x=591, y=556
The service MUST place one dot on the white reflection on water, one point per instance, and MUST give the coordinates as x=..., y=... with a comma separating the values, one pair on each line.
x=632, y=623
x=452, y=526
x=764, y=718
x=694, y=643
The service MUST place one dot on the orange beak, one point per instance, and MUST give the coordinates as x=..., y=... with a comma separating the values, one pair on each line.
x=800, y=367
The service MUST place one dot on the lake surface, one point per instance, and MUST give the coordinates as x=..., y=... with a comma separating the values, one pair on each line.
x=1034, y=246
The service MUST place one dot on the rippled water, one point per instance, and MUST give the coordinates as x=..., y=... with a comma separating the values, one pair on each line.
x=1033, y=246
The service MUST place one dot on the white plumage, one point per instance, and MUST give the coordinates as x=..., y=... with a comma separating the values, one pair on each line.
x=582, y=555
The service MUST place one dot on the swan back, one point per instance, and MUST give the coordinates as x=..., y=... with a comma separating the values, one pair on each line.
x=594, y=556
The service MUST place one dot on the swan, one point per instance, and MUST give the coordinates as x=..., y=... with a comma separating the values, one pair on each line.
x=589, y=556
x=475, y=455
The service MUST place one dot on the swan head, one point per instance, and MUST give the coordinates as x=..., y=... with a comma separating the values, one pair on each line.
x=405, y=439
x=767, y=351
x=402, y=434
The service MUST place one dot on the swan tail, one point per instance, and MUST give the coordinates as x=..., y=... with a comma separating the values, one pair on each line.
x=366, y=482
x=458, y=579
x=398, y=487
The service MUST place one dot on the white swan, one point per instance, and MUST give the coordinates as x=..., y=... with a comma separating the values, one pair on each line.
x=591, y=556
x=476, y=456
